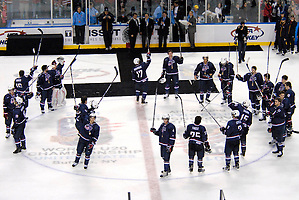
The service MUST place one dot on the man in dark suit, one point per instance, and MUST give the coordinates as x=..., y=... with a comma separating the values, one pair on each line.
x=164, y=23
x=133, y=31
x=146, y=30
x=107, y=18
x=178, y=14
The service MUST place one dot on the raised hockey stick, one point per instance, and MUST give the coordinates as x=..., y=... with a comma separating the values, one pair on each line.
x=203, y=106
x=155, y=103
x=73, y=86
x=268, y=57
x=33, y=51
x=229, y=51
x=182, y=110
x=179, y=33
x=116, y=74
x=40, y=44
x=213, y=98
x=286, y=59
x=74, y=59
x=237, y=62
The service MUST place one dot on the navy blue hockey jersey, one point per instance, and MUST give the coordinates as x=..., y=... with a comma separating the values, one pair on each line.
x=170, y=66
x=90, y=132
x=278, y=88
x=233, y=129
x=268, y=89
x=44, y=81
x=245, y=114
x=251, y=79
x=8, y=103
x=167, y=134
x=139, y=71
x=205, y=71
x=19, y=116
x=226, y=71
x=197, y=134
x=278, y=116
x=290, y=95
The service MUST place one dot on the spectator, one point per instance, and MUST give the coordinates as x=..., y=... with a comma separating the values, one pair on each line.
x=227, y=7
x=210, y=15
x=237, y=13
x=164, y=23
x=267, y=12
x=244, y=12
x=122, y=18
x=107, y=18
x=133, y=31
x=195, y=12
x=158, y=12
x=93, y=14
x=218, y=11
x=275, y=11
x=79, y=22
x=191, y=29
x=291, y=28
x=146, y=30
x=178, y=27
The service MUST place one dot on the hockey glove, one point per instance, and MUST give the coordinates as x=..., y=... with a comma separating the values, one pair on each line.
x=153, y=130
x=207, y=147
x=76, y=107
x=30, y=95
x=90, y=145
x=222, y=129
x=148, y=55
x=235, y=42
x=5, y=115
x=228, y=83
x=169, y=149
x=185, y=136
x=238, y=76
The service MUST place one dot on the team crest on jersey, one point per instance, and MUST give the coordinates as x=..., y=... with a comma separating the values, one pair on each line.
x=170, y=62
x=88, y=127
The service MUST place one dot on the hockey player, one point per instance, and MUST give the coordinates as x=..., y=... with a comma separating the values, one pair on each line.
x=280, y=86
x=167, y=136
x=246, y=118
x=8, y=107
x=19, y=120
x=59, y=92
x=82, y=113
x=278, y=125
x=290, y=95
x=45, y=88
x=267, y=90
x=140, y=77
x=233, y=132
x=206, y=70
x=87, y=139
x=254, y=82
x=226, y=75
x=170, y=70
x=21, y=83
x=198, y=143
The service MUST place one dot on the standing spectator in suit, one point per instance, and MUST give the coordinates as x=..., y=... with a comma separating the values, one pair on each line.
x=107, y=18
x=178, y=14
x=164, y=23
x=79, y=22
x=146, y=30
x=191, y=29
x=133, y=31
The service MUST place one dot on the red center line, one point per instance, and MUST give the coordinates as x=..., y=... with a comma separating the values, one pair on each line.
x=154, y=186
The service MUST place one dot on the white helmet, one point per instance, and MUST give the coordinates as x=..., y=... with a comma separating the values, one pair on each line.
x=223, y=61
x=162, y=80
x=166, y=116
x=19, y=100
x=136, y=61
x=205, y=56
x=10, y=87
x=93, y=114
x=94, y=104
x=235, y=113
x=60, y=59
x=245, y=104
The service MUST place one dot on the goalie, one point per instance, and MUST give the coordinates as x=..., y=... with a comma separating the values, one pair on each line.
x=59, y=91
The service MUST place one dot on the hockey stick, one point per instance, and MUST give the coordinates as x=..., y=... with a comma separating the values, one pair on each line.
x=237, y=59
x=182, y=110
x=156, y=94
x=258, y=87
x=179, y=33
x=213, y=98
x=33, y=51
x=286, y=59
x=40, y=44
x=116, y=74
x=295, y=131
x=74, y=59
x=202, y=105
x=73, y=86
x=268, y=58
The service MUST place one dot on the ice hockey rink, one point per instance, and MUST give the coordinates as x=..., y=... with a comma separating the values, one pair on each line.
x=127, y=156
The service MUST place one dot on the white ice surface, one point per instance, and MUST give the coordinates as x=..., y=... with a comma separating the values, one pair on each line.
x=127, y=157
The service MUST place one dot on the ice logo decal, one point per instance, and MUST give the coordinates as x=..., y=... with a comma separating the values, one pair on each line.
x=13, y=32
x=254, y=32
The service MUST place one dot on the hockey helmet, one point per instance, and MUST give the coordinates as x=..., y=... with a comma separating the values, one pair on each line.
x=44, y=67
x=205, y=56
x=93, y=114
x=60, y=59
x=166, y=116
x=136, y=61
x=245, y=104
x=19, y=100
x=162, y=80
x=223, y=61
x=10, y=87
x=53, y=62
x=235, y=113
